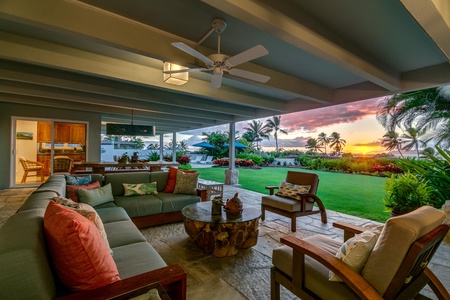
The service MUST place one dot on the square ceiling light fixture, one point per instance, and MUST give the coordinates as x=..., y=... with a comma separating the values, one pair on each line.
x=175, y=78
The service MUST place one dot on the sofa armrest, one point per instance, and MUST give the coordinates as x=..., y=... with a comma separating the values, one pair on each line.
x=172, y=278
x=271, y=188
x=202, y=194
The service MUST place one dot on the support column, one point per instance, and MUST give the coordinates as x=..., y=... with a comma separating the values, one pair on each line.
x=232, y=175
x=161, y=147
x=174, y=147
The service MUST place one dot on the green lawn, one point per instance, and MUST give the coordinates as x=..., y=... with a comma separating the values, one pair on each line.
x=356, y=195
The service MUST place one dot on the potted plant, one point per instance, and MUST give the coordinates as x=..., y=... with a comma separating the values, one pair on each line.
x=405, y=193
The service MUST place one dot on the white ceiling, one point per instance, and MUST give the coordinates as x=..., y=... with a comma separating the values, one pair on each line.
x=107, y=56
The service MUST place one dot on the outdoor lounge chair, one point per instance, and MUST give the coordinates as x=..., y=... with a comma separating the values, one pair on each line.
x=207, y=161
x=196, y=159
x=396, y=268
x=293, y=208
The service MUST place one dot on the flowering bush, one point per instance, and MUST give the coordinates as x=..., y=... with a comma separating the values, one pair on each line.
x=224, y=162
x=387, y=168
x=183, y=159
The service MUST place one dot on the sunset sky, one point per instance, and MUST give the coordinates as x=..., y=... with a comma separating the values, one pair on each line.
x=356, y=122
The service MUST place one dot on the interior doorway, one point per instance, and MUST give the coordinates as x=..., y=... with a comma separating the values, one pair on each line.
x=38, y=142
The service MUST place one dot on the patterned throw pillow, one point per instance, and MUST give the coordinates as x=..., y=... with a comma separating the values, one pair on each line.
x=291, y=190
x=78, y=180
x=86, y=211
x=186, y=183
x=81, y=259
x=356, y=250
x=136, y=189
x=72, y=190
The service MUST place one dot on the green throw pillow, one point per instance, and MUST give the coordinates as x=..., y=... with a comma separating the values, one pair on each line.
x=136, y=189
x=97, y=196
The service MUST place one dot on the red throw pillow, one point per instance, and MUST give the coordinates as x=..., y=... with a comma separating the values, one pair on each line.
x=72, y=190
x=80, y=256
x=171, y=181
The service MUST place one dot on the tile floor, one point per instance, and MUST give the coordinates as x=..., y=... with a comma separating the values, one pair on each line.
x=246, y=275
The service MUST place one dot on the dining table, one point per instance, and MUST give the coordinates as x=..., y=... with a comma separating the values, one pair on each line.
x=110, y=167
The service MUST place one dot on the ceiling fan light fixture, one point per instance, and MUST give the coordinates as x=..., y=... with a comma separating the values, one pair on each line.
x=175, y=78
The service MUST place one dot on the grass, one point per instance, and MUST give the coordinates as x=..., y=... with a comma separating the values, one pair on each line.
x=356, y=195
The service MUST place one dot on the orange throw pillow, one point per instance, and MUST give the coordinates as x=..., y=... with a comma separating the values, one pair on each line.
x=72, y=190
x=171, y=181
x=80, y=256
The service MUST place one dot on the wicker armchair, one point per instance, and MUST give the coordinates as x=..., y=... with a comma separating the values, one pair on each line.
x=62, y=164
x=31, y=166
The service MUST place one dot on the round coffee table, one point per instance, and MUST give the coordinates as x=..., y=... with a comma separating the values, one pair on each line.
x=218, y=234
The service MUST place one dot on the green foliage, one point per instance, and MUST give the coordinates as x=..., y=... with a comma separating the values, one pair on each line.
x=406, y=193
x=185, y=167
x=436, y=171
x=356, y=195
x=257, y=159
x=154, y=156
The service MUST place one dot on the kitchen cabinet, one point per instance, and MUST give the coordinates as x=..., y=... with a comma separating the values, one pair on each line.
x=78, y=134
x=62, y=132
x=44, y=132
x=70, y=133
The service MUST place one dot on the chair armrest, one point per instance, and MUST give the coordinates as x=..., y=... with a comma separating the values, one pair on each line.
x=202, y=194
x=172, y=278
x=349, y=229
x=350, y=277
x=272, y=188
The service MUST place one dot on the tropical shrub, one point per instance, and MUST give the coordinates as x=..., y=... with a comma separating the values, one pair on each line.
x=154, y=156
x=224, y=162
x=436, y=170
x=257, y=159
x=405, y=193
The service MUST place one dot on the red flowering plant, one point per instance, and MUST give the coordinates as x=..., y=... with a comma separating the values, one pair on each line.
x=183, y=159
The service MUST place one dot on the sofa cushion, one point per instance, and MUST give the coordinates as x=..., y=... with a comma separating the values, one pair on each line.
x=117, y=179
x=38, y=200
x=139, y=206
x=137, y=189
x=316, y=275
x=72, y=190
x=97, y=196
x=136, y=258
x=55, y=184
x=112, y=214
x=161, y=179
x=24, y=267
x=176, y=202
x=186, y=183
x=123, y=233
x=287, y=204
x=80, y=256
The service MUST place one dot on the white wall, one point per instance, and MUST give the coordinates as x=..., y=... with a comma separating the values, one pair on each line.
x=25, y=148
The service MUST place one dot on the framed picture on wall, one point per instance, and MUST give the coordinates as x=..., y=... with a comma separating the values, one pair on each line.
x=24, y=135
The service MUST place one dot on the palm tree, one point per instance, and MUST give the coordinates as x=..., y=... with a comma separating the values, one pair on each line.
x=258, y=131
x=336, y=142
x=273, y=125
x=391, y=140
x=427, y=109
x=323, y=140
x=313, y=145
x=412, y=139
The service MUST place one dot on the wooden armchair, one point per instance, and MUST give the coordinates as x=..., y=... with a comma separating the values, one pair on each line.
x=395, y=269
x=293, y=208
x=31, y=166
x=62, y=164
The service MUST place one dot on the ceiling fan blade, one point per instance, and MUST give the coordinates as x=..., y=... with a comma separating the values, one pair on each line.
x=186, y=70
x=195, y=53
x=247, y=55
x=216, y=81
x=249, y=75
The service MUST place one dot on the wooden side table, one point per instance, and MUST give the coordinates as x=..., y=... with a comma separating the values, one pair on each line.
x=212, y=188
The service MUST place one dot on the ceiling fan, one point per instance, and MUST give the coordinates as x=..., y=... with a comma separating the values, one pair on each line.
x=219, y=63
